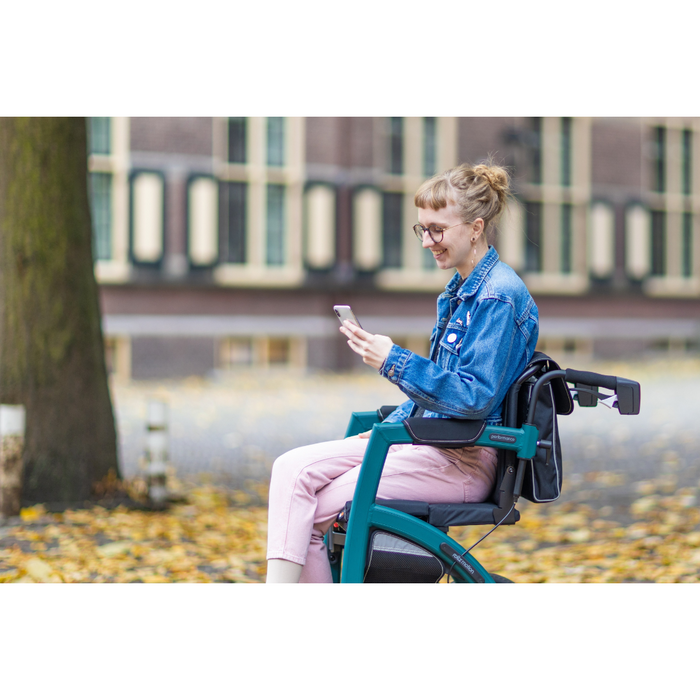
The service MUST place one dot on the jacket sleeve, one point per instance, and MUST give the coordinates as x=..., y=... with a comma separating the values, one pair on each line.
x=400, y=412
x=479, y=383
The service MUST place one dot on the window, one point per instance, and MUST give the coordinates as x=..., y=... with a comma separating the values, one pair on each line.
x=233, y=220
x=279, y=351
x=237, y=133
x=275, y=225
x=100, y=143
x=416, y=147
x=147, y=203
x=659, y=159
x=686, y=161
x=536, y=150
x=101, y=208
x=566, y=124
x=533, y=236
x=658, y=242
x=601, y=241
x=396, y=145
x=109, y=190
x=687, y=243
x=671, y=231
x=320, y=226
x=202, y=225
x=547, y=236
x=367, y=229
x=275, y=141
x=566, y=238
x=235, y=352
x=637, y=241
x=261, y=175
x=392, y=223
x=429, y=146
x=100, y=135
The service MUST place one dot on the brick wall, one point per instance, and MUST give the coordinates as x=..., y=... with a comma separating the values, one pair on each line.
x=158, y=358
x=186, y=135
x=362, y=154
x=322, y=141
x=480, y=137
x=617, y=161
x=347, y=142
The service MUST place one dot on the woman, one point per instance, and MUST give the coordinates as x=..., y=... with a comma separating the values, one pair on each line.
x=486, y=332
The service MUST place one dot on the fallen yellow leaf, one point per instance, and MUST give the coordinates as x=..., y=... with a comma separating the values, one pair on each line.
x=114, y=549
x=41, y=572
x=33, y=513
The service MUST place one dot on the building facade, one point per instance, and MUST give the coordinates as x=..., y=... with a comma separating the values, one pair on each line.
x=221, y=243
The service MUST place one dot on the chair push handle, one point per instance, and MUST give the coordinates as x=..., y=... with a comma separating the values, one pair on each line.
x=606, y=381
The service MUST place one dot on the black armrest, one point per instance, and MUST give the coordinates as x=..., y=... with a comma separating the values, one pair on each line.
x=385, y=411
x=444, y=432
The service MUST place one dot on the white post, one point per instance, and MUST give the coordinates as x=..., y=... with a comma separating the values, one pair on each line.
x=157, y=451
x=12, y=425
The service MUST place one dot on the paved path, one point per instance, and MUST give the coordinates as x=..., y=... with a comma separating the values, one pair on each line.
x=232, y=427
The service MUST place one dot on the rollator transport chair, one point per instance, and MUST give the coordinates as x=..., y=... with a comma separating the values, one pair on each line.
x=386, y=541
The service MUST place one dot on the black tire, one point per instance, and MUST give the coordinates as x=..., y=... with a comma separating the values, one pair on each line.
x=500, y=579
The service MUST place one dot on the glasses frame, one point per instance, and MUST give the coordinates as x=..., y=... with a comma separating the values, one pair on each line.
x=421, y=230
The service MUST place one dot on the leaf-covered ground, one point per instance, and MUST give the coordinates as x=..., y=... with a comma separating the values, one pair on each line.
x=215, y=535
x=578, y=543
x=628, y=512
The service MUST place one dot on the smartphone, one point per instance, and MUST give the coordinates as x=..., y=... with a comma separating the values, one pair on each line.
x=344, y=313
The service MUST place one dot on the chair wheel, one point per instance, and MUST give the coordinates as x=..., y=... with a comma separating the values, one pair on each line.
x=500, y=579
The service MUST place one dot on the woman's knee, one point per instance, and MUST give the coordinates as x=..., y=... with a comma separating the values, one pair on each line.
x=293, y=465
x=285, y=466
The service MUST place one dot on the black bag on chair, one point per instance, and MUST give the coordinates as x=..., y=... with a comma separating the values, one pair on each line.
x=543, y=474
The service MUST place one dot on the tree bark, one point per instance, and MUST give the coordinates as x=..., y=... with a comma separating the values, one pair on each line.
x=51, y=345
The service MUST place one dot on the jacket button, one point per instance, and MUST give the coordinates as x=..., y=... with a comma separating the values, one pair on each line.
x=451, y=337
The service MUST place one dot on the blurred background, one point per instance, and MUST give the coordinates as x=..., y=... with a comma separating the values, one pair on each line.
x=221, y=245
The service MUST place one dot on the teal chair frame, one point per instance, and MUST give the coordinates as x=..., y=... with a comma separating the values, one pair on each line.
x=366, y=514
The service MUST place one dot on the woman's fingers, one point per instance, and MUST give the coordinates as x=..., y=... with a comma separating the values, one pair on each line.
x=362, y=436
x=372, y=348
x=351, y=330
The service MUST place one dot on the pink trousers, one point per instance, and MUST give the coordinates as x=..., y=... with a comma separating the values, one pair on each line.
x=310, y=485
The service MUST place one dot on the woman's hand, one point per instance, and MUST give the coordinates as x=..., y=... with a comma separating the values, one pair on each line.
x=363, y=436
x=373, y=349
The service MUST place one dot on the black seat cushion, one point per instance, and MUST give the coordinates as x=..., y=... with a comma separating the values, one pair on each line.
x=454, y=514
x=440, y=514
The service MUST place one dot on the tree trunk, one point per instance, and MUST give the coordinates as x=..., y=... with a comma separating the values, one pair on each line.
x=51, y=345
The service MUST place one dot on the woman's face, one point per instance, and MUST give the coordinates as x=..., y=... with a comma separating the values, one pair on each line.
x=455, y=248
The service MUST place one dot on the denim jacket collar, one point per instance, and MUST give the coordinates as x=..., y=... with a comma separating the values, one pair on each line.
x=470, y=286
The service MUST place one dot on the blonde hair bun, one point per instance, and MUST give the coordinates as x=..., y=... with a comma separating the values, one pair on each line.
x=479, y=191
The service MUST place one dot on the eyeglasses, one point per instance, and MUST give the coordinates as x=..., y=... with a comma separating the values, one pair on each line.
x=435, y=232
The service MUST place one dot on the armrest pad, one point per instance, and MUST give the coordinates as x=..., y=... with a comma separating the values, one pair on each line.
x=444, y=432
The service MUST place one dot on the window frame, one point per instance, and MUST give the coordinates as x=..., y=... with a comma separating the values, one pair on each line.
x=133, y=176
x=256, y=174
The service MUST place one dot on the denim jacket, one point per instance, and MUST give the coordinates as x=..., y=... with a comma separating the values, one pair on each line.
x=485, y=334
